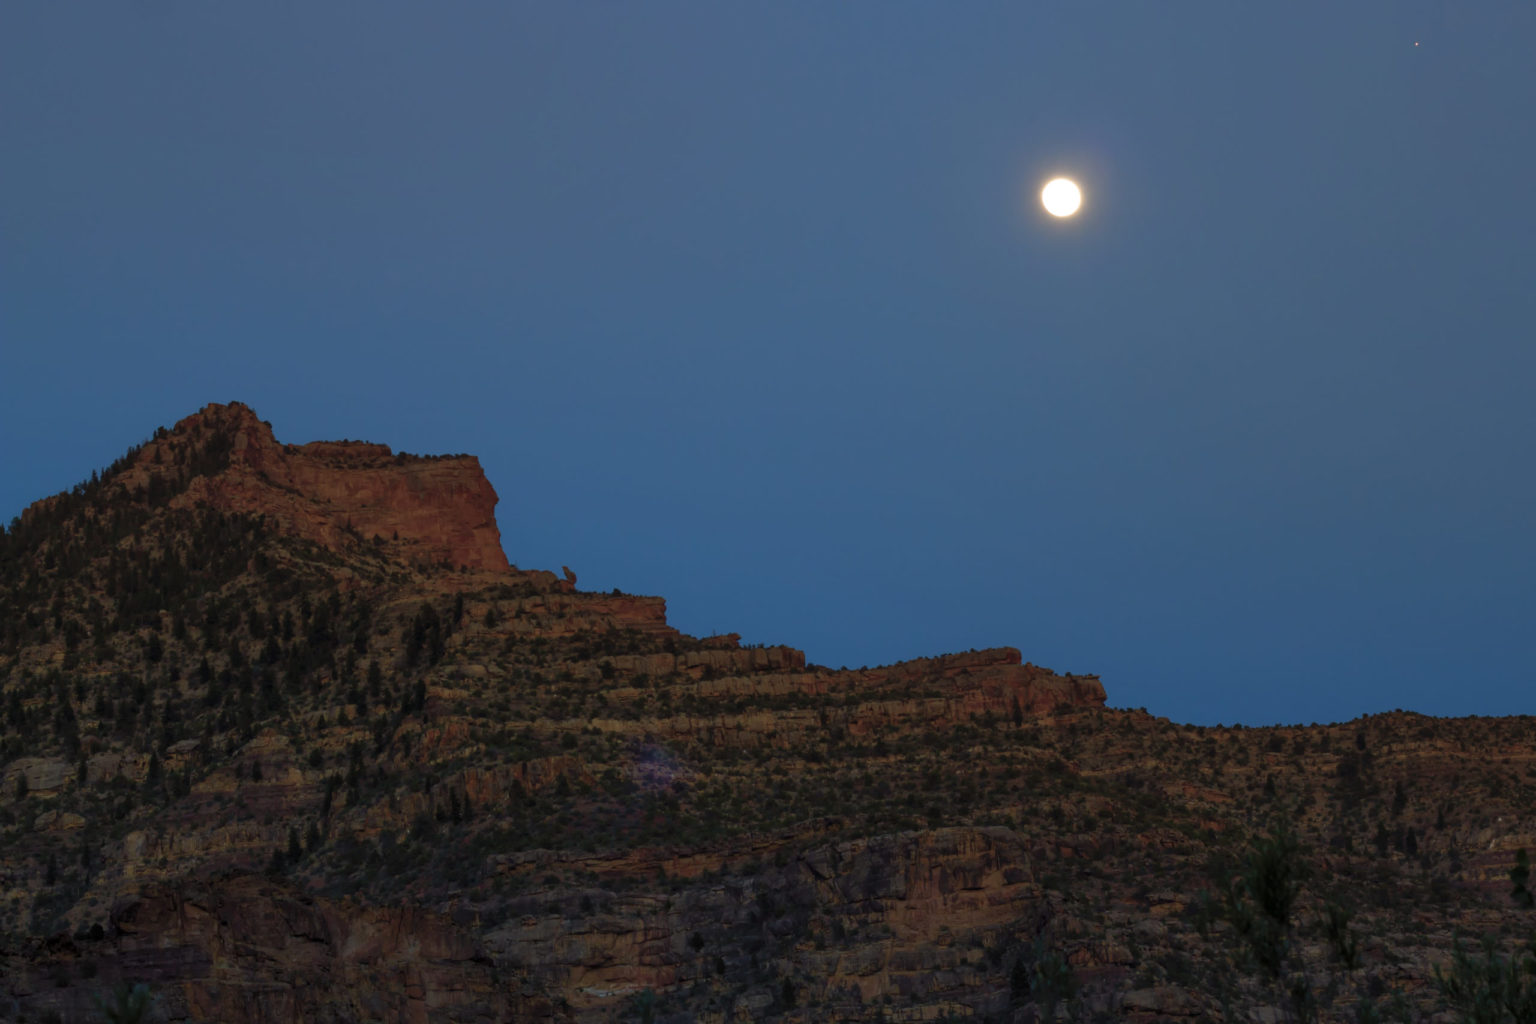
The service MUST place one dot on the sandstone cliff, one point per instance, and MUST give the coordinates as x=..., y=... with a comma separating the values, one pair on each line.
x=440, y=511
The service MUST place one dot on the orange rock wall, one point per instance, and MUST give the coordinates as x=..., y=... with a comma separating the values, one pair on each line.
x=334, y=492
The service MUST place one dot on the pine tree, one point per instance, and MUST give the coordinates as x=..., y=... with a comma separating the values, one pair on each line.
x=1520, y=876
x=1018, y=982
x=128, y=1005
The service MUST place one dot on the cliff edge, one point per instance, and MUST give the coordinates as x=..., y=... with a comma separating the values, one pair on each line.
x=440, y=510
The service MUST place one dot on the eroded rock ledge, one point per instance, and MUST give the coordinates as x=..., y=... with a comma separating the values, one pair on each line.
x=335, y=493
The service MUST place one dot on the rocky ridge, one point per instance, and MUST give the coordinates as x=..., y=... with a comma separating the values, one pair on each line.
x=357, y=767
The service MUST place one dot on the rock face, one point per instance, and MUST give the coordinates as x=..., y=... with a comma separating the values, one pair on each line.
x=335, y=493
x=246, y=949
x=284, y=736
x=904, y=889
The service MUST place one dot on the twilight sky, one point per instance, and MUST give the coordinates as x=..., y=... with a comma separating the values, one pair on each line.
x=753, y=306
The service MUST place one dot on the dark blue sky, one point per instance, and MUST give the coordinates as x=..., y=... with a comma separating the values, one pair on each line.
x=752, y=306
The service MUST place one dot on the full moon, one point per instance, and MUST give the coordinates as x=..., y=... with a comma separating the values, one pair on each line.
x=1061, y=197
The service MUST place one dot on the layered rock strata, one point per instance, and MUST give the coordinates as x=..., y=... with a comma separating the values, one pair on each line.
x=287, y=739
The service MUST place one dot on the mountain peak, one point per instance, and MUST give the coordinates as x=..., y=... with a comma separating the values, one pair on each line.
x=440, y=510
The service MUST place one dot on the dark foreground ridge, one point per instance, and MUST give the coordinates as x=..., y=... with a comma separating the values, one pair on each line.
x=287, y=739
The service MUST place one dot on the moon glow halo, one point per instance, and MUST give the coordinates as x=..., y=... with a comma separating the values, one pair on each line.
x=1061, y=197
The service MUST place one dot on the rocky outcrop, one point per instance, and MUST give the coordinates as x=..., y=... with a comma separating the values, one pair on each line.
x=439, y=511
x=995, y=681
x=903, y=904
x=245, y=950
